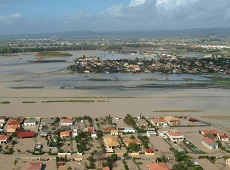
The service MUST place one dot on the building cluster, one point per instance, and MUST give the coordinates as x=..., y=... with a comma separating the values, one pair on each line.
x=163, y=63
x=112, y=135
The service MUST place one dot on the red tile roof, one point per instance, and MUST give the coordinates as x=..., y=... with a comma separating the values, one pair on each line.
x=149, y=150
x=157, y=166
x=223, y=136
x=208, y=140
x=26, y=134
x=35, y=166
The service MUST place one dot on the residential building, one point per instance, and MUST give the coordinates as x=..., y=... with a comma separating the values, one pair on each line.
x=209, y=132
x=223, y=138
x=47, y=121
x=66, y=122
x=159, y=122
x=114, y=132
x=128, y=141
x=106, y=168
x=209, y=143
x=44, y=133
x=172, y=120
x=90, y=129
x=2, y=120
x=108, y=129
x=111, y=142
x=4, y=139
x=35, y=166
x=128, y=130
x=151, y=133
x=13, y=126
x=30, y=134
x=157, y=166
x=149, y=152
x=30, y=122
x=175, y=136
x=65, y=134
x=93, y=135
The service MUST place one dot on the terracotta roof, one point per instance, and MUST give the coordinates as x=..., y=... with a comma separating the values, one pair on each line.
x=4, y=137
x=174, y=134
x=26, y=134
x=66, y=121
x=111, y=141
x=106, y=168
x=157, y=166
x=128, y=141
x=35, y=166
x=208, y=140
x=223, y=136
x=65, y=134
x=15, y=122
x=149, y=150
x=90, y=129
x=108, y=129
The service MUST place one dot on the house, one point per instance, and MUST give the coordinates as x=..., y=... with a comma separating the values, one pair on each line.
x=172, y=120
x=141, y=122
x=114, y=132
x=65, y=134
x=162, y=133
x=223, y=138
x=209, y=143
x=127, y=130
x=111, y=142
x=149, y=152
x=74, y=132
x=35, y=166
x=157, y=166
x=228, y=161
x=47, y=121
x=90, y=129
x=66, y=122
x=44, y=133
x=30, y=122
x=13, y=126
x=93, y=135
x=175, y=136
x=151, y=133
x=128, y=141
x=159, y=122
x=30, y=134
x=108, y=129
x=209, y=132
x=4, y=139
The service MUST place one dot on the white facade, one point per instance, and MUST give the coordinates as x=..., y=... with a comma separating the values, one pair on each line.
x=30, y=123
x=151, y=133
x=129, y=130
x=212, y=146
x=175, y=136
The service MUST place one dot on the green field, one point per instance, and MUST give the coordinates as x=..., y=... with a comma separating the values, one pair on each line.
x=52, y=54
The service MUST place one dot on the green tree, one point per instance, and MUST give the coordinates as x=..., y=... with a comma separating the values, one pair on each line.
x=133, y=146
x=180, y=166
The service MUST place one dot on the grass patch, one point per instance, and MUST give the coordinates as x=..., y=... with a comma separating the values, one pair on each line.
x=69, y=101
x=29, y=102
x=5, y=102
x=52, y=54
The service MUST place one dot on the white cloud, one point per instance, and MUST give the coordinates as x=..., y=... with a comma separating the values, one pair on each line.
x=134, y=3
x=10, y=18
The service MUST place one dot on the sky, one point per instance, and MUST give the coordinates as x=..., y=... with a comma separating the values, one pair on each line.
x=42, y=16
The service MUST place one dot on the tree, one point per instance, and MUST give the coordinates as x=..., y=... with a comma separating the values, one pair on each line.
x=178, y=155
x=114, y=157
x=133, y=146
x=179, y=166
x=132, y=137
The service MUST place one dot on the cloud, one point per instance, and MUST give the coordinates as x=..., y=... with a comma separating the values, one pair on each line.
x=9, y=19
x=134, y=3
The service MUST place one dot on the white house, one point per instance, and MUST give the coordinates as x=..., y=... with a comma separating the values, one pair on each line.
x=93, y=135
x=129, y=130
x=151, y=133
x=114, y=132
x=30, y=122
x=2, y=120
x=66, y=122
x=209, y=143
x=159, y=122
x=175, y=136
x=223, y=138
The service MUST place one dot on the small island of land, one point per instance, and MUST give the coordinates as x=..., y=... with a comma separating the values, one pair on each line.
x=45, y=54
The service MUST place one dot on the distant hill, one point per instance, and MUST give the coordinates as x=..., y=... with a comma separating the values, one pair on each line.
x=186, y=33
